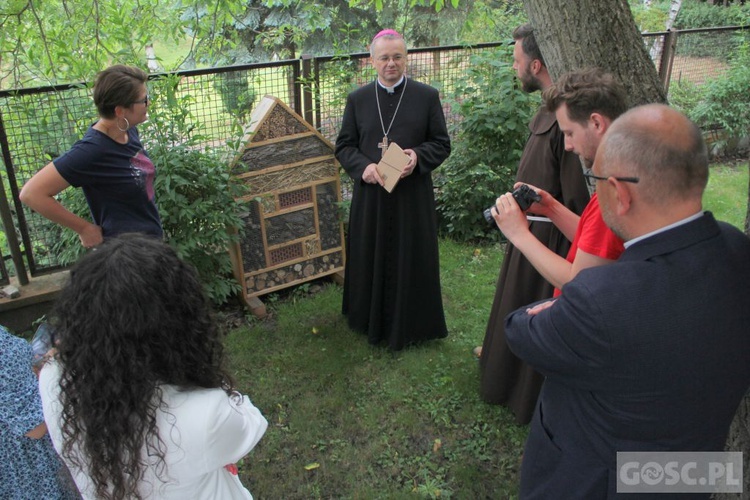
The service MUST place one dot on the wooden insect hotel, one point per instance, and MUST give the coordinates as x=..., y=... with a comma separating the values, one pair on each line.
x=292, y=230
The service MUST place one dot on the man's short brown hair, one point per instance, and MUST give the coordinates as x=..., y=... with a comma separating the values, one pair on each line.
x=587, y=91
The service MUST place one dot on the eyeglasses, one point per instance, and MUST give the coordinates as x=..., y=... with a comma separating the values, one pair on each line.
x=591, y=178
x=397, y=58
x=142, y=101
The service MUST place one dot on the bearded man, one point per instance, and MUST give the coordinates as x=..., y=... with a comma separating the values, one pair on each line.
x=545, y=164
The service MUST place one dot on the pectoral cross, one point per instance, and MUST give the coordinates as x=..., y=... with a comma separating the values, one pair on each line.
x=383, y=146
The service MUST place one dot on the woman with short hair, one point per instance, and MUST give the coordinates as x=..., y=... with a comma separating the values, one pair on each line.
x=109, y=163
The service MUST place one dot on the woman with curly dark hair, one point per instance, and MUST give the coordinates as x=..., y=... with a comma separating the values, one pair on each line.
x=137, y=401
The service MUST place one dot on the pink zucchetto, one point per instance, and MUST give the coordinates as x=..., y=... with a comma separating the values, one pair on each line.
x=386, y=33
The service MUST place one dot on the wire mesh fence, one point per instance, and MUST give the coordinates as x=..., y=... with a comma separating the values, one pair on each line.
x=222, y=97
x=4, y=276
x=702, y=55
x=37, y=125
x=441, y=67
x=40, y=124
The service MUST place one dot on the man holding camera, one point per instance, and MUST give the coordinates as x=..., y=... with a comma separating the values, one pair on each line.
x=651, y=352
x=505, y=379
x=586, y=102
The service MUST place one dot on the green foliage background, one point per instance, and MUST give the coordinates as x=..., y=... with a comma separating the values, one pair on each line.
x=195, y=192
x=725, y=101
x=722, y=103
x=695, y=14
x=702, y=14
x=59, y=42
x=494, y=127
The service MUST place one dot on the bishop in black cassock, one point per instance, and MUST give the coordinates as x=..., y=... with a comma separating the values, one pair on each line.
x=392, y=276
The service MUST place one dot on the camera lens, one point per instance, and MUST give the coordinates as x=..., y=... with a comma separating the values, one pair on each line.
x=488, y=216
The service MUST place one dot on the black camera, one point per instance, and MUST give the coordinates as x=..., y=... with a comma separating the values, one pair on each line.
x=523, y=195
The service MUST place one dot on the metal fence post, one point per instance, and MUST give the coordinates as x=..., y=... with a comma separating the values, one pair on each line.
x=307, y=94
x=7, y=216
x=296, y=88
x=316, y=96
x=667, y=58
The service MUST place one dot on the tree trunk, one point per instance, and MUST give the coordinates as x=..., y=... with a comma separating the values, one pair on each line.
x=739, y=432
x=658, y=46
x=151, y=62
x=603, y=33
x=739, y=440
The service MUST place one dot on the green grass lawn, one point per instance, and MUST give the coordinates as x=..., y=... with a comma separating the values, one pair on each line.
x=726, y=194
x=348, y=420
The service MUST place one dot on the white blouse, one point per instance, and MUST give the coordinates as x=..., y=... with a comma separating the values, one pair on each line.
x=202, y=429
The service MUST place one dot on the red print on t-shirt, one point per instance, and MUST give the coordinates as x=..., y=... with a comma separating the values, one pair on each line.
x=143, y=171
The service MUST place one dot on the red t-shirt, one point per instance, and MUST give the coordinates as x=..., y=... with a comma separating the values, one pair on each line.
x=593, y=236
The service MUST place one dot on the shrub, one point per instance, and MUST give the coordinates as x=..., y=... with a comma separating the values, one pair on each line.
x=725, y=103
x=706, y=15
x=236, y=93
x=196, y=202
x=195, y=192
x=495, y=115
x=65, y=243
x=685, y=95
x=464, y=192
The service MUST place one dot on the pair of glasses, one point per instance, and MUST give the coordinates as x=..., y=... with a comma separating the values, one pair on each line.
x=591, y=178
x=397, y=58
x=142, y=101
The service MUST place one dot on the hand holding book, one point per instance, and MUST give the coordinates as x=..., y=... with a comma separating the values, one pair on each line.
x=392, y=165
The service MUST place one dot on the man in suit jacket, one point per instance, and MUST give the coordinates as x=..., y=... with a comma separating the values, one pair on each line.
x=651, y=353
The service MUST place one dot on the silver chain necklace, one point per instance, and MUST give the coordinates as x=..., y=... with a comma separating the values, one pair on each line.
x=384, y=145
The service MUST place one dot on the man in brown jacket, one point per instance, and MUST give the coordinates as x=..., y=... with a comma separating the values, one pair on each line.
x=505, y=379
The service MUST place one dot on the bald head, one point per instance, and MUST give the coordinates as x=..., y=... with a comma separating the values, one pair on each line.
x=663, y=148
x=385, y=36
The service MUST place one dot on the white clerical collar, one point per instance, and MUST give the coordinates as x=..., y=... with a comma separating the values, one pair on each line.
x=665, y=228
x=391, y=90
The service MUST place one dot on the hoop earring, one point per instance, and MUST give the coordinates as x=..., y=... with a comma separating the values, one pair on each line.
x=127, y=125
